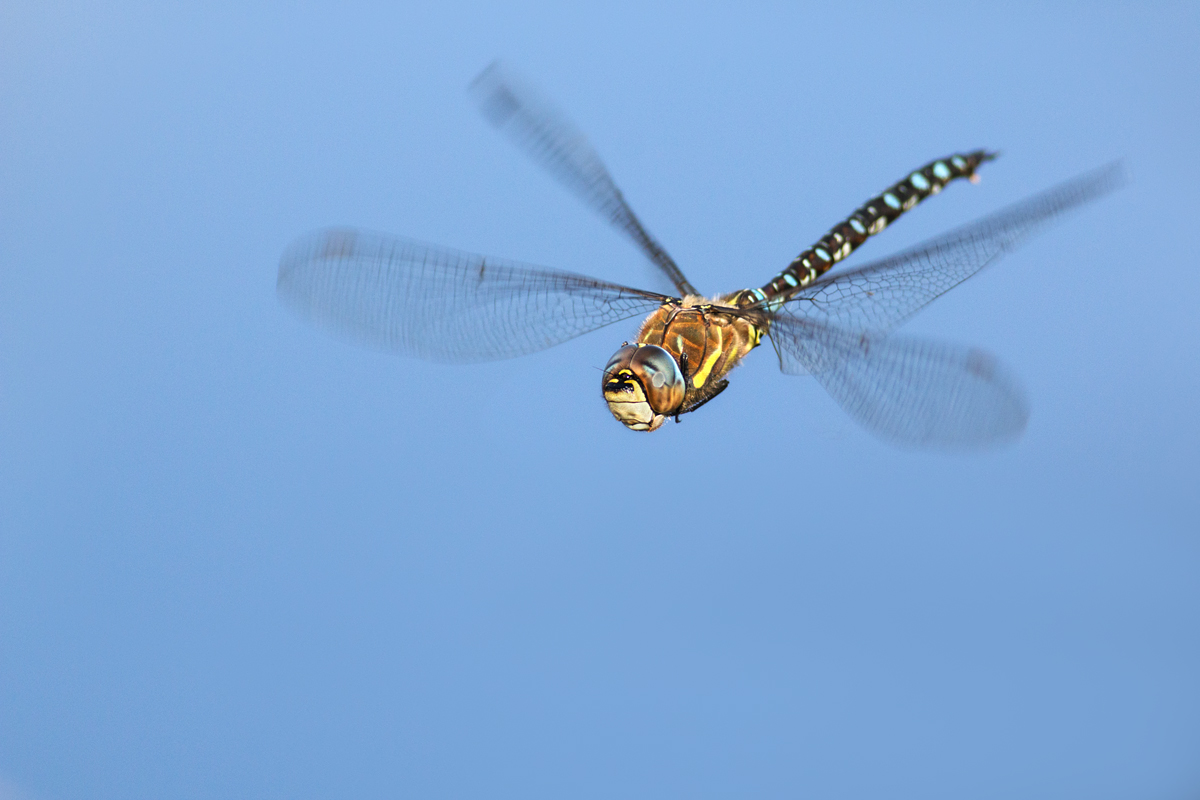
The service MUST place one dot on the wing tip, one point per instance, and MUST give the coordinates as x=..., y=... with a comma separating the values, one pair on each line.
x=492, y=92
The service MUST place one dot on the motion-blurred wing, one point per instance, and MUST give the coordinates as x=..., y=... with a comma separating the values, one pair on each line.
x=552, y=140
x=882, y=294
x=441, y=304
x=907, y=391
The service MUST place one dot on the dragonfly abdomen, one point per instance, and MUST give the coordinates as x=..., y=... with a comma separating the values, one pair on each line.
x=870, y=219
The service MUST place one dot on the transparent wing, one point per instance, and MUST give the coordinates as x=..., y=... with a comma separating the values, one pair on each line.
x=907, y=391
x=882, y=294
x=552, y=140
x=441, y=304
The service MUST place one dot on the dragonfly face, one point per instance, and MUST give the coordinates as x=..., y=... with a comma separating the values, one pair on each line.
x=643, y=385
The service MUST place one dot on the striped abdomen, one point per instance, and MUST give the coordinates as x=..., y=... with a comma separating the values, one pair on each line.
x=875, y=215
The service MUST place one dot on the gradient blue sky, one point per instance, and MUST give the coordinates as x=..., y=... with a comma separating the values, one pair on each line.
x=240, y=558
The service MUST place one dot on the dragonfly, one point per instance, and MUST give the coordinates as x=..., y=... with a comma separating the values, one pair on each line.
x=836, y=325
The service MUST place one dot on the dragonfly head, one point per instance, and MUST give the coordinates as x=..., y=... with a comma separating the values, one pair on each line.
x=643, y=385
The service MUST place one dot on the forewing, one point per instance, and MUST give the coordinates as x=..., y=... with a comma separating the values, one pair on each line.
x=553, y=141
x=907, y=391
x=441, y=304
x=882, y=294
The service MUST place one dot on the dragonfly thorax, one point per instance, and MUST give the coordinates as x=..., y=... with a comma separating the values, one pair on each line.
x=643, y=385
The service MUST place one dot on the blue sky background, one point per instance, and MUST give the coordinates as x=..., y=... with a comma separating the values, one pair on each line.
x=240, y=558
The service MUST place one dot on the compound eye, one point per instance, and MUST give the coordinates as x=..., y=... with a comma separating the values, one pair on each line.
x=660, y=376
x=619, y=359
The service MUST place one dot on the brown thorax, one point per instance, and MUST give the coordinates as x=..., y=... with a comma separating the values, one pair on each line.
x=679, y=361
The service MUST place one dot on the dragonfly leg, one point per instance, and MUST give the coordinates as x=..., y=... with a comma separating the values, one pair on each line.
x=709, y=393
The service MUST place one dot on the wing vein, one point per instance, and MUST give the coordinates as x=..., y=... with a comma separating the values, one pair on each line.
x=441, y=304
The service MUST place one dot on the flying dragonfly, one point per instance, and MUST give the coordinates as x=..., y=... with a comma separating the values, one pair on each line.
x=441, y=304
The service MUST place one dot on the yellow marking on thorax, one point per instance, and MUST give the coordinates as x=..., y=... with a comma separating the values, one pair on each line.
x=702, y=374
